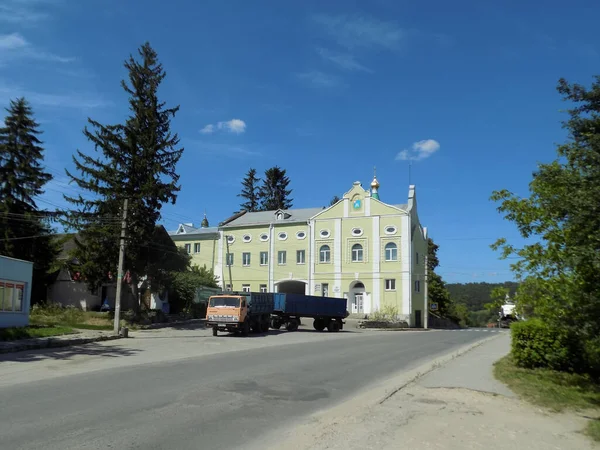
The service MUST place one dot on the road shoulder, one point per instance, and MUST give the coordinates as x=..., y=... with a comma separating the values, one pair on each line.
x=456, y=404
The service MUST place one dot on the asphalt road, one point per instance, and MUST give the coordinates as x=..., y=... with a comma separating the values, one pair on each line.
x=214, y=401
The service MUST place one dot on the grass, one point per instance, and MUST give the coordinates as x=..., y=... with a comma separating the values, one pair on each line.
x=52, y=315
x=13, y=334
x=558, y=391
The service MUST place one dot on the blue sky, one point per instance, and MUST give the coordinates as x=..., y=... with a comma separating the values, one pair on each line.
x=327, y=90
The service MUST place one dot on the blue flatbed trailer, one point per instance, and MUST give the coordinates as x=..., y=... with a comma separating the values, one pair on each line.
x=327, y=312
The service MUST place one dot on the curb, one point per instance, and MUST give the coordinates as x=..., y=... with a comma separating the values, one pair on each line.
x=54, y=343
x=155, y=326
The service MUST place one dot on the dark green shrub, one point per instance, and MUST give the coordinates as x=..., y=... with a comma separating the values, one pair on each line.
x=538, y=344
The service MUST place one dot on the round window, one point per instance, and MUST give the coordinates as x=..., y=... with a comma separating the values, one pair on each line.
x=300, y=234
x=247, y=238
x=264, y=237
x=357, y=232
x=324, y=233
x=282, y=236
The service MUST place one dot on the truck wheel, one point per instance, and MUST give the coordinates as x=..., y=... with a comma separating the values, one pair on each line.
x=264, y=327
x=319, y=324
x=333, y=326
x=245, y=329
x=292, y=325
x=275, y=324
x=215, y=331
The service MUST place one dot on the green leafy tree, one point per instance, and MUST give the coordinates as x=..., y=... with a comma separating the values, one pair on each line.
x=25, y=231
x=274, y=192
x=135, y=161
x=560, y=270
x=436, y=287
x=250, y=192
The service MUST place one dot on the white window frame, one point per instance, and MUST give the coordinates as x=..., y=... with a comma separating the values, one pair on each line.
x=266, y=255
x=303, y=253
x=188, y=248
x=264, y=237
x=263, y=288
x=324, y=233
x=327, y=252
x=228, y=288
x=357, y=232
x=229, y=259
x=282, y=236
x=247, y=238
x=16, y=287
x=281, y=253
x=303, y=233
x=246, y=255
x=196, y=247
x=359, y=256
x=245, y=288
x=395, y=229
x=390, y=284
x=393, y=251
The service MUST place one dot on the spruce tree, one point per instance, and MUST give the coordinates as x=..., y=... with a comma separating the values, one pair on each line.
x=24, y=229
x=250, y=192
x=134, y=161
x=274, y=192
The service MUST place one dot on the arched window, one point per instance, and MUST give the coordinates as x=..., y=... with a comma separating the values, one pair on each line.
x=324, y=254
x=391, y=252
x=357, y=253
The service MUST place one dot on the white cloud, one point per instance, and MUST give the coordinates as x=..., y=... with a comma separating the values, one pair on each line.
x=12, y=41
x=320, y=79
x=235, y=126
x=343, y=60
x=23, y=12
x=361, y=31
x=68, y=100
x=208, y=129
x=419, y=150
x=14, y=46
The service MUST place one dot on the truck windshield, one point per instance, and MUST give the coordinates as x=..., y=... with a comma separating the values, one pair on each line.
x=232, y=302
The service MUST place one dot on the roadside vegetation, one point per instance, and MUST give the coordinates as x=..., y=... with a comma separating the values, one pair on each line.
x=34, y=331
x=54, y=315
x=555, y=354
x=553, y=389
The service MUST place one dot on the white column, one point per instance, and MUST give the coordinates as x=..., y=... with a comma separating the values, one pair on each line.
x=221, y=242
x=376, y=300
x=346, y=207
x=311, y=258
x=337, y=256
x=272, y=258
x=406, y=255
x=367, y=206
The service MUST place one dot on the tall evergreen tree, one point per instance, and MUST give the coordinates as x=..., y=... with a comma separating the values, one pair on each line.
x=250, y=192
x=436, y=287
x=334, y=200
x=274, y=193
x=24, y=229
x=135, y=161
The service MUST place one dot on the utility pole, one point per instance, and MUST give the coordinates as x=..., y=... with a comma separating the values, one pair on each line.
x=120, y=269
x=227, y=262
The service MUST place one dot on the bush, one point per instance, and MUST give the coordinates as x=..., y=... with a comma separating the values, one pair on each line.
x=388, y=313
x=538, y=344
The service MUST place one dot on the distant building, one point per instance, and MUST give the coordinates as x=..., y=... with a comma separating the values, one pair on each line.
x=362, y=249
x=15, y=292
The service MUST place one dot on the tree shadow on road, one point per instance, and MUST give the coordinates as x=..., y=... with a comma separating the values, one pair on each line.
x=66, y=353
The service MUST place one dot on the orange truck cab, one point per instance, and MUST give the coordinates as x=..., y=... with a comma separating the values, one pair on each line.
x=239, y=313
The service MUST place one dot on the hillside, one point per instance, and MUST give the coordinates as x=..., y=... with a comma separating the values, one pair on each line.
x=475, y=295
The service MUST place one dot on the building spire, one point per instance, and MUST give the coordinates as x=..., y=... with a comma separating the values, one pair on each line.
x=375, y=185
x=204, y=223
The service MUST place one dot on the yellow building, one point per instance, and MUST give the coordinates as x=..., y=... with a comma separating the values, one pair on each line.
x=362, y=249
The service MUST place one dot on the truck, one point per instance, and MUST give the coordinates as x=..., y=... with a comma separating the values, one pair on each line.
x=507, y=315
x=326, y=312
x=240, y=312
